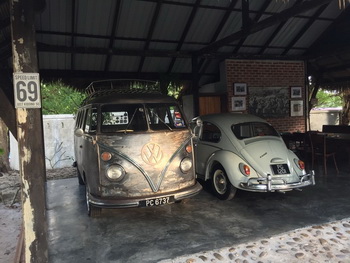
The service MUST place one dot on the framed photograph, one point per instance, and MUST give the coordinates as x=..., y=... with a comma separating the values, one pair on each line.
x=240, y=89
x=238, y=103
x=296, y=108
x=295, y=92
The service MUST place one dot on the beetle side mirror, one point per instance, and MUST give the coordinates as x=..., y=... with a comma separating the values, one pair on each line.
x=79, y=132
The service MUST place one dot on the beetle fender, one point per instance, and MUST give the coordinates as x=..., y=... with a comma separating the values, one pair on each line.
x=230, y=162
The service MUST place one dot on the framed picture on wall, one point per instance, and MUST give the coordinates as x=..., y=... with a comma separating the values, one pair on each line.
x=295, y=92
x=238, y=103
x=240, y=89
x=296, y=108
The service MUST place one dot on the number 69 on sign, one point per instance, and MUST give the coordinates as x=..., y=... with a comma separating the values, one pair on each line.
x=27, y=90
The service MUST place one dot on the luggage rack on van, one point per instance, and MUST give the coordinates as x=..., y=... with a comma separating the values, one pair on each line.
x=124, y=86
x=120, y=86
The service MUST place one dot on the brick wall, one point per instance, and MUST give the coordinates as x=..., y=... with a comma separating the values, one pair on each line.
x=267, y=73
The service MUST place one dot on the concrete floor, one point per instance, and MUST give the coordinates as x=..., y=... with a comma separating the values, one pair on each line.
x=197, y=224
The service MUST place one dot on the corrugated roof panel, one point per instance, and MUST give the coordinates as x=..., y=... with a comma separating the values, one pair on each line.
x=204, y=25
x=165, y=28
x=288, y=32
x=307, y=39
x=249, y=50
x=216, y=3
x=277, y=6
x=232, y=25
x=191, y=47
x=331, y=11
x=135, y=18
x=57, y=16
x=273, y=51
x=124, y=64
x=128, y=44
x=159, y=65
x=259, y=38
x=182, y=65
x=57, y=39
x=94, y=17
x=89, y=62
x=91, y=42
x=49, y=60
x=162, y=46
x=183, y=1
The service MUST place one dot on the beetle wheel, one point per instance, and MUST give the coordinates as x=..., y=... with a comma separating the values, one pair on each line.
x=221, y=185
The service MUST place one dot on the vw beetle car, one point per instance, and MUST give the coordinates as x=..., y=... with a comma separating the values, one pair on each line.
x=241, y=151
x=133, y=148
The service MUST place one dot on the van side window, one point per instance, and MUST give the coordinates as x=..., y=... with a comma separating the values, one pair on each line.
x=91, y=120
x=210, y=133
x=77, y=119
x=80, y=119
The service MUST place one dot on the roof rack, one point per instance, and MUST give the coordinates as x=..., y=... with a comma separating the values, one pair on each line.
x=122, y=86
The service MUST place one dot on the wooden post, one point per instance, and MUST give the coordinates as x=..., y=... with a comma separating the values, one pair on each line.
x=30, y=136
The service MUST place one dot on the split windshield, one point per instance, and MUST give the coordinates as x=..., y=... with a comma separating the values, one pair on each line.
x=140, y=117
x=253, y=129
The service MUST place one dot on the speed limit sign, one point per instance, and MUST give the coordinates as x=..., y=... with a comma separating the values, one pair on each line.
x=27, y=90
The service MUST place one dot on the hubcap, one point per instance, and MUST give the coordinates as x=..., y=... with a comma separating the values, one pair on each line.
x=220, y=182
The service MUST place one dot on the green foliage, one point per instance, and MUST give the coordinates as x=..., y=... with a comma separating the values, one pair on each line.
x=174, y=90
x=1, y=151
x=328, y=99
x=58, y=98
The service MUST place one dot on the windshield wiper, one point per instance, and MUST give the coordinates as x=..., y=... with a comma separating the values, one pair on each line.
x=163, y=121
x=132, y=118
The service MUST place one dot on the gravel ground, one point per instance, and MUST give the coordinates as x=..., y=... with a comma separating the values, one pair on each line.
x=324, y=243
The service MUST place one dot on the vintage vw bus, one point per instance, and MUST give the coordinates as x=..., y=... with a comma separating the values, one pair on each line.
x=132, y=148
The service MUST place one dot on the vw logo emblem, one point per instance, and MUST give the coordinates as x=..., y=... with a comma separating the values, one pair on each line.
x=151, y=153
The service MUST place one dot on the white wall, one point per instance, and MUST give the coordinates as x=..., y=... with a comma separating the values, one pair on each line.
x=59, y=142
x=320, y=117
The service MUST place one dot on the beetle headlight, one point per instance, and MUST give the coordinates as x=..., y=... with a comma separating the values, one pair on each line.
x=186, y=165
x=115, y=172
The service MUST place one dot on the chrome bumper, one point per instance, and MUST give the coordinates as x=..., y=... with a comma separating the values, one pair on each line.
x=135, y=202
x=267, y=185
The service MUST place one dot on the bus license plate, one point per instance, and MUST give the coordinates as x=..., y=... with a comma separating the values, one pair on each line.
x=158, y=201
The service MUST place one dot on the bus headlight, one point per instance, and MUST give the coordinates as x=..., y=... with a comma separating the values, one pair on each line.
x=186, y=165
x=115, y=172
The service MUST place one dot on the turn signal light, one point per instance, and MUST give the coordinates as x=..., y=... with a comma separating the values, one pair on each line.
x=189, y=148
x=245, y=169
x=301, y=165
x=106, y=156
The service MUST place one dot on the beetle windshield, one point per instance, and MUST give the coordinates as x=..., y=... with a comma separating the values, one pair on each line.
x=253, y=129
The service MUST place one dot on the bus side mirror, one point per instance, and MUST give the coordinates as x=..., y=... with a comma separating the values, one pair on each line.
x=79, y=132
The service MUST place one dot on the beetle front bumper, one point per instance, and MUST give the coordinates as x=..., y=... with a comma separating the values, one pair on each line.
x=153, y=200
x=269, y=184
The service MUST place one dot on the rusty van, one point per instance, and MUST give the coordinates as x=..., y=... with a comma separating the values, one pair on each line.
x=133, y=148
